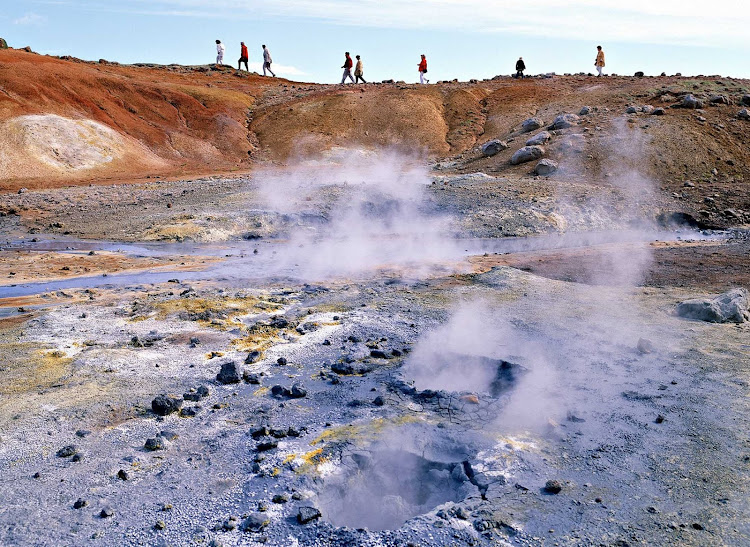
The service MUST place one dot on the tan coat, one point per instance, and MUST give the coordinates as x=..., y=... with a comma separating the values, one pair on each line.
x=358, y=70
x=599, y=58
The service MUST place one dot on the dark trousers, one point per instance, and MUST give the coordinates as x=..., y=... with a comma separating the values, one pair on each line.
x=519, y=74
x=239, y=63
x=359, y=77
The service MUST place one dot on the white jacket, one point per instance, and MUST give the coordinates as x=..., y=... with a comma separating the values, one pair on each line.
x=220, y=48
x=267, y=56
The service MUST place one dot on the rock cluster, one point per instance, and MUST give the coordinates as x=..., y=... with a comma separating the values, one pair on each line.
x=732, y=306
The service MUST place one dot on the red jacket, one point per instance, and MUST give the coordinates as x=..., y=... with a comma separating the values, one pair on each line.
x=244, y=52
x=348, y=63
x=423, y=65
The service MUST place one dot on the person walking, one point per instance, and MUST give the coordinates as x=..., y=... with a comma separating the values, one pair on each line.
x=520, y=67
x=347, y=68
x=599, y=63
x=422, y=67
x=267, y=61
x=243, y=57
x=219, y=52
x=359, y=71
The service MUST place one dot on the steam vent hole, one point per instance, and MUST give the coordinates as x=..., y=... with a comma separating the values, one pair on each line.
x=382, y=490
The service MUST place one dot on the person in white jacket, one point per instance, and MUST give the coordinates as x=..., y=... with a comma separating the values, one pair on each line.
x=219, y=52
x=267, y=61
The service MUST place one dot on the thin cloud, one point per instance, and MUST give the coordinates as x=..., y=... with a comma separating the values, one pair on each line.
x=30, y=19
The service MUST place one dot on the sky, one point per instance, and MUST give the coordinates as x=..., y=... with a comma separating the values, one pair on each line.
x=461, y=38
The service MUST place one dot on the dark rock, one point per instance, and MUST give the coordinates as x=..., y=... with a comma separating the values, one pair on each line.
x=281, y=361
x=527, y=153
x=280, y=498
x=77, y=457
x=251, y=378
x=260, y=432
x=163, y=405
x=67, y=451
x=293, y=432
x=379, y=400
x=252, y=357
x=553, y=487
x=352, y=368
x=690, y=101
x=658, y=111
x=197, y=394
x=80, y=503
x=123, y=475
x=254, y=523
x=585, y=110
x=106, y=512
x=540, y=138
x=279, y=391
x=229, y=373
x=168, y=435
x=545, y=167
x=564, y=121
x=298, y=391
x=697, y=526
x=378, y=354
x=189, y=412
x=278, y=322
x=266, y=445
x=155, y=443
x=632, y=110
x=743, y=114
x=639, y=74
x=745, y=100
x=732, y=306
x=719, y=99
x=659, y=419
x=532, y=124
x=306, y=514
x=493, y=147
x=278, y=433
x=83, y=433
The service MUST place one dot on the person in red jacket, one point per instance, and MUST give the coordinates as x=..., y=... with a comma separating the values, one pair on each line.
x=243, y=57
x=347, y=68
x=423, y=70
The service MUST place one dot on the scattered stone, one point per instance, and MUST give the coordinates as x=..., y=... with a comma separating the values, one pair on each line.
x=229, y=374
x=164, y=405
x=254, y=523
x=251, y=378
x=168, y=435
x=647, y=109
x=631, y=110
x=252, y=357
x=306, y=514
x=378, y=354
x=563, y=121
x=83, y=433
x=540, y=138
x=493, y=147
x=532, y=124
x=280, y=498
x=719, y=99
x=189, y=412
x=745, y=100
x=645, y=345
x=196, y=395
x=266, y=446
x=658, y=111
x=298, y=391
x=194, y=341
x=585, y=110
x=352, y=368
x=67, y=451
x=732, y=306
x=690, y=101
x=155, y=443
x=553, y=487
x=659, y=419
x=545, y=167
x=527, y=153
x=123, y=475
x=379, y=401
x=160, y=525
x=77, y=457
x=106, y=512
x=743, y=114
x=80, y=503
x=281, y=361
x=639, y=74
x=697, y=526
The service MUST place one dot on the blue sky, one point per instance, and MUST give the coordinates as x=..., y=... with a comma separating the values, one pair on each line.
x=462, y=38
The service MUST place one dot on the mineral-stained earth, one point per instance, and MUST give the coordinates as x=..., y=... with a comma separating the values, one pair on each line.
x=244, y=311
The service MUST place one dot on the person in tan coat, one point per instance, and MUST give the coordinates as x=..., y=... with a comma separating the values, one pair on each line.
x=359, y=71
x=599, y=63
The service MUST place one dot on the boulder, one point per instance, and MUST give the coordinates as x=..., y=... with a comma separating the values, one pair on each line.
x=229, y=373
x=545, y=167
x=494, y=146
x=306, y=515
x=745, y=100
x=639, y=74
x=540, y=138
x=743, y=114
x=527, y=153
x=162, y=405
x=564, y=121
x=585, y=110
x=3, y=44
x=647, y=109
x=732, y=306
x=691, y=101
x=532, y=124
x=658, y=111
x=719, y=99
x=631, y=110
